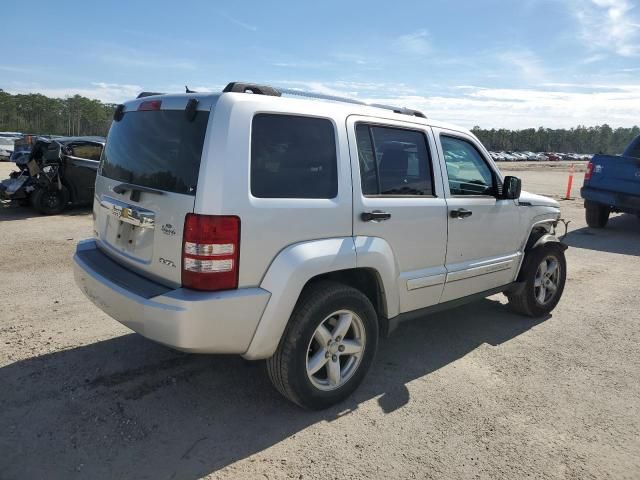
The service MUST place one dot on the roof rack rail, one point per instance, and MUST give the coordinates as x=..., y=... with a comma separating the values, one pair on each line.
x=321, y=96
x=148, y=94
x=240, y=87
x=401, y=110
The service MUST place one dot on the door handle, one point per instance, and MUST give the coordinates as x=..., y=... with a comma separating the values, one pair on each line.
x=375, y=216
x=460, y=213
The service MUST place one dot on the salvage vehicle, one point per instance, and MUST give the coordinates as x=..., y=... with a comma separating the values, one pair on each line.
x=612, y=184
x=301, y=230
x=57, y=173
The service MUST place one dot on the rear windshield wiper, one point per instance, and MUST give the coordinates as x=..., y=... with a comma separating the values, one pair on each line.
x=136, y=190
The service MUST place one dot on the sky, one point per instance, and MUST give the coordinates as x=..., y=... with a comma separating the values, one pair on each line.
x=491, y=63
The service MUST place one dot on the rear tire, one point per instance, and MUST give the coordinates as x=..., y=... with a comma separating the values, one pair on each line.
x=544, y=275
x=597, y=215
x=327, y=348
x=50, y=202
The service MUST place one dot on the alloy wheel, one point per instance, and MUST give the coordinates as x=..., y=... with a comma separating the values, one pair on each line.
x=547, y=280
x=335, y=350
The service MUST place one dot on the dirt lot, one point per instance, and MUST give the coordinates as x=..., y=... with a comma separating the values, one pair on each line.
x=476, y=392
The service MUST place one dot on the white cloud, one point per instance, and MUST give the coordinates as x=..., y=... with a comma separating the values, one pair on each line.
x=246, y=26
x=303, y=64
x=526, y=108
x=14, y=69
x=146, y=61
x=416, y=43
x=550, y=105
x=353, y=58
x=525, y=62
x=341, y=88
x=611, y=25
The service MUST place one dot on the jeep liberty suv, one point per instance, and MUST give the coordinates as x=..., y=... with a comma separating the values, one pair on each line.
x=301, y=230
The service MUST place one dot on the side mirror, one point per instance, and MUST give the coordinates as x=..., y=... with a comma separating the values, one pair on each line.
x=511, y=187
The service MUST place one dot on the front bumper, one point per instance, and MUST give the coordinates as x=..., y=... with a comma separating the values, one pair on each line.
x=188, y=320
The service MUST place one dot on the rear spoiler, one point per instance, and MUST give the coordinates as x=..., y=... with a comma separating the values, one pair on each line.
x=148, y=94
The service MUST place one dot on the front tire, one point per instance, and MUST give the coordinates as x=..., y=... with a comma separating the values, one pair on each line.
x=597, y=215
x=327, y=347
x=50, y=202
x=544, y=275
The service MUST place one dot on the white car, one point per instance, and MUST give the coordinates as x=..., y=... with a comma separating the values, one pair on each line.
x=6, y=148
x=300, y=230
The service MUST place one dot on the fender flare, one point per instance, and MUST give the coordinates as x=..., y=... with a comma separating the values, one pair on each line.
x=287, y=275
x=294, y=266
x=540, y=242
x=548, y=238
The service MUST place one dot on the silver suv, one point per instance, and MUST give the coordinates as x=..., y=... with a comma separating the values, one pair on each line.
x=301, y=230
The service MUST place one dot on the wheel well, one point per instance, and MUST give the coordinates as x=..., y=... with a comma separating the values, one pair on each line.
x=535, y=234
x=367, y=281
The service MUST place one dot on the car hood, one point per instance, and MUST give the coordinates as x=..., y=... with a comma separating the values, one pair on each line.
x=537, y=200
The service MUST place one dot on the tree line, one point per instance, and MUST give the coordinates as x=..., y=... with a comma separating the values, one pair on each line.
x=599, y=139
x=77, y=115
x=36, y=114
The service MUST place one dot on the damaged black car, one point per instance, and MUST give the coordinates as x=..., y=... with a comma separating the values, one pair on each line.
x=58, y=172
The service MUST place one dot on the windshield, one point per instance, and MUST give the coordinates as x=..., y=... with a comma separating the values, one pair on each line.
x=157, y=149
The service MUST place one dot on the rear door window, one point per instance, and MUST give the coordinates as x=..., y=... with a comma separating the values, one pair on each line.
x=157, y=149
x=293, y=157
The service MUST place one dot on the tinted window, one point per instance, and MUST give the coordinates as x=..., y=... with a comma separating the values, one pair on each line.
x=89, y=151
x=158, y=149
x=293, y=157
x=393, y=161
x=468, y=172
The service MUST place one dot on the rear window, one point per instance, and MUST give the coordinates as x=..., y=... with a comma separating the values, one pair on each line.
x=633, y=150
x=156, y=149
x=293, y=157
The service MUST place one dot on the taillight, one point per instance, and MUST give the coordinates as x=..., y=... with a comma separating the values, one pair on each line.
x=587, y=174
x=150, y=105
x=210, y=252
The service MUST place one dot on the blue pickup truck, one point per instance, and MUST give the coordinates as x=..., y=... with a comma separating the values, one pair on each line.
x=612, y=184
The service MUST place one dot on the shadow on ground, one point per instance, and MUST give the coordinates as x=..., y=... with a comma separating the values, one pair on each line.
x=13, y=211
x=621, y=235
x=128, y=408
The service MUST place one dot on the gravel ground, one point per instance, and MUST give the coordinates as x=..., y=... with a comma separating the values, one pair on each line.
x=475, y=392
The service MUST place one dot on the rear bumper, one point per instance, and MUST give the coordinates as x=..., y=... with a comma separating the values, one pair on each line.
x=619, y=201
x=188, y=320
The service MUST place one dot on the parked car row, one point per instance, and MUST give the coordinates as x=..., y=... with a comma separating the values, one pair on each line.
x=538, y=156
x=6, y=147
x=15, y=146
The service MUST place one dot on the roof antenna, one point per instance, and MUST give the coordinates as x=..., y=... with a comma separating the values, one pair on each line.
x=186, y=88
